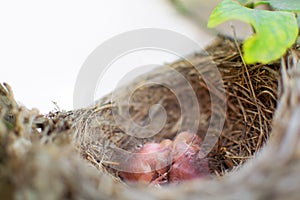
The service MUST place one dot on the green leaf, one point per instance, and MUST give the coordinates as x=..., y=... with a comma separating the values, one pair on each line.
x=8, y=125
x=244, y=2
x=275, y=31
x=288, y=5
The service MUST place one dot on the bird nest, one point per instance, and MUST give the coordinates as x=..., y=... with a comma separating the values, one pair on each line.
x=71, y=155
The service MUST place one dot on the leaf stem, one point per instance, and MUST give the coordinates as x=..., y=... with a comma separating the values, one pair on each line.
x=260, y=3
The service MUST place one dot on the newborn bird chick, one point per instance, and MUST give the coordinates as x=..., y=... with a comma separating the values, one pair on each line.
x=187, y=160
x=150, y=163
x=168, y=161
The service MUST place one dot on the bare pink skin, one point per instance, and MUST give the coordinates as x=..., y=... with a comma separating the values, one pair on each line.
x=186, y=163
x=154, y=162
x=183, y=142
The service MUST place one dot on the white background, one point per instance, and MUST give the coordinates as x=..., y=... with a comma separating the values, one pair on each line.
x=44, y=43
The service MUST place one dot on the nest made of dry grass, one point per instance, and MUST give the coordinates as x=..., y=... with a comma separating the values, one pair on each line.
x=251, y=93
x=39, y=155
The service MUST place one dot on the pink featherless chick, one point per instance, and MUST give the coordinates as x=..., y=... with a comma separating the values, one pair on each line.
x=150, y=163
x=188, y=163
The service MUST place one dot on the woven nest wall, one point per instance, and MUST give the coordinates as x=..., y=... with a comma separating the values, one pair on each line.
x=69, y=155
x=251, y=95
